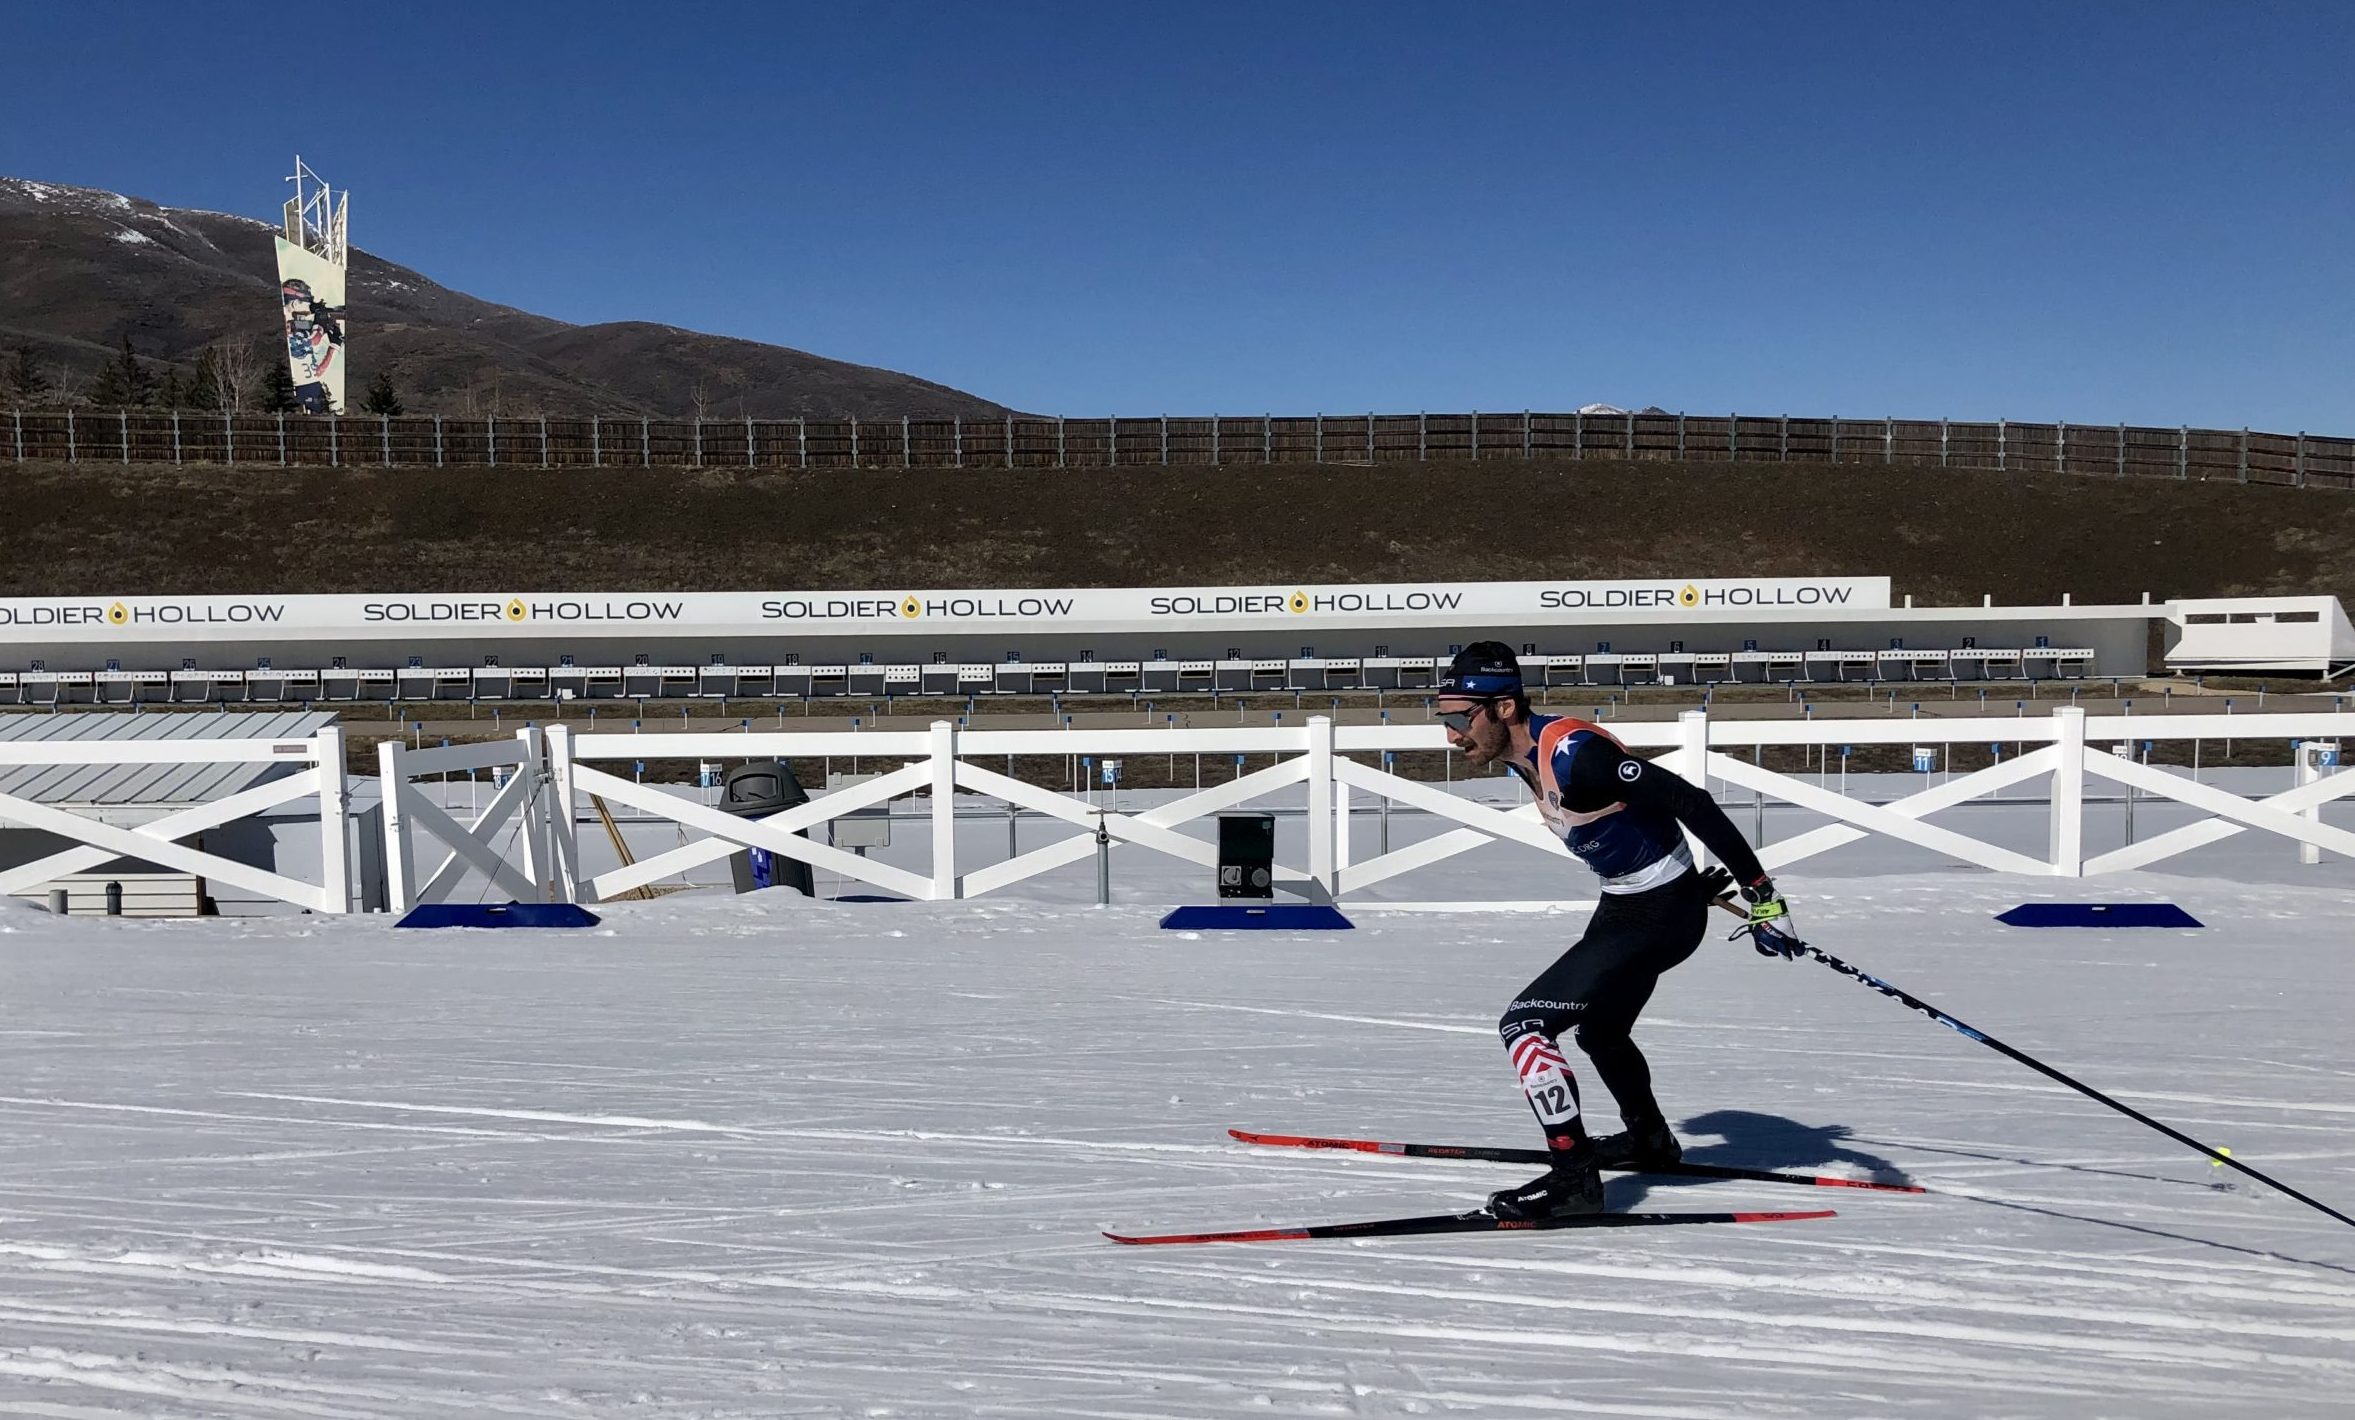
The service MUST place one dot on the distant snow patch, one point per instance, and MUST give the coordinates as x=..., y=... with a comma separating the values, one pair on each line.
x=137, y=239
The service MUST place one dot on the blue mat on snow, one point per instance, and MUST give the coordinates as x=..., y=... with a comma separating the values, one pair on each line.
x=1275, y=916
x=2098, y=914
x=499, y=914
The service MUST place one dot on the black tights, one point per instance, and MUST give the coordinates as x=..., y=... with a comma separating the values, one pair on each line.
x=1596, y=990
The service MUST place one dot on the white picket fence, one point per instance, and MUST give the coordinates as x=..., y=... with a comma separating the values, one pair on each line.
x=524, y=843
x=519, y=864
x=320, y=774
x=943, y=761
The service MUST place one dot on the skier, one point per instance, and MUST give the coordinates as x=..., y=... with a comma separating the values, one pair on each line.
x=1622, y=816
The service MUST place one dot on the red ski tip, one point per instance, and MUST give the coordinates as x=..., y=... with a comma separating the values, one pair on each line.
x=1306, y=1141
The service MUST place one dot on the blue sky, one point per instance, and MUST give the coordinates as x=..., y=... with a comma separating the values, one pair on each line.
x=2093, y=212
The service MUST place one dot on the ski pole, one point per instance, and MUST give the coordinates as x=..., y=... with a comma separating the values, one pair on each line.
x=2041, y=1068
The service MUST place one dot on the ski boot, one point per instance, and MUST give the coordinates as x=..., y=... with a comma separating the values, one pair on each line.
x=1572, y=1188
x=1649, y=1144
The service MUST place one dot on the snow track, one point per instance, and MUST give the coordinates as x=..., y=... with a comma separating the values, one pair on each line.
x=730, y=1159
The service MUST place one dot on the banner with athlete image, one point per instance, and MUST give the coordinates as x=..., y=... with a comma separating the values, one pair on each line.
x=311, y=296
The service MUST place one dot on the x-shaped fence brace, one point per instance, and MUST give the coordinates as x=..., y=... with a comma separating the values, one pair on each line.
x=473, y=844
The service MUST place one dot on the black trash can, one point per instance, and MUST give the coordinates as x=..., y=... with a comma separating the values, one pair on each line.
x=756, y=790
x=1247, y=855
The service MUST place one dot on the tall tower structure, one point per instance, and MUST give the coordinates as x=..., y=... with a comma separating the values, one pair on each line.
x=312, y=258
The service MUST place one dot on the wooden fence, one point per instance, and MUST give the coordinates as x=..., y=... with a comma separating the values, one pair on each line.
x=2114, y=450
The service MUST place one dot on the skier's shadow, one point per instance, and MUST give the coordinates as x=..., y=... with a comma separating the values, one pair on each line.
x=1749, y=1140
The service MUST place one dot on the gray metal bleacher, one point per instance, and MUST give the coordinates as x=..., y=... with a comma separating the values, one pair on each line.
x=892, y=680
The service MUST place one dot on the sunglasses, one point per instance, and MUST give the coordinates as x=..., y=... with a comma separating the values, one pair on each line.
x=1460, y=721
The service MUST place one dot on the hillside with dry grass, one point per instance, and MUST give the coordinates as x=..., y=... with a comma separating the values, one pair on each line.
x=1944, y=536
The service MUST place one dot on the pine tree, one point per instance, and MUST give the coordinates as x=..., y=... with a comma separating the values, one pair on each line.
x=123, y=383
x=171, y=394
x=23, y=380
x=381, y=397
x=204, y=385
x=278, y=388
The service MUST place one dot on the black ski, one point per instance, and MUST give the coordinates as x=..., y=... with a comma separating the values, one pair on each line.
x=1461, y=1223
x=1478, y=1153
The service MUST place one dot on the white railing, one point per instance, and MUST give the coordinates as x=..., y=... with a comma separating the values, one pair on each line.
x=943, y=762
x=320, y=772
x=526, y=876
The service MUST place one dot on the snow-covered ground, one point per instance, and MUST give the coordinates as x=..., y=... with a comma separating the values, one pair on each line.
x=762, y=1156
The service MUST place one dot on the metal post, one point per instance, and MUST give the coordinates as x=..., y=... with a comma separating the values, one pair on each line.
x=2060, y=447
x=123, y=430
x=2244, y=453
x=1103, y=862
x=1214, y=426
x=228, y=434
x=751, y=445
x=175, y=436
x=20, y=434
x=1059, y=445
x=282, y=438
x=2301, y=458
x=645, y=443
x=854, y=441
x=1680, y=436
x=698, y=442
x=1577, y=434
x=1267, y=438
x=1009, y=441
x=1525, y=446
x=1369, y=436
x=1422, y=437
x=907, y=448
x=1475, y=436
x=2002, y=445
x=1942, y=431
x=801, y=440
x=437, y=441
x=957, y=437
x=1630, y=418
x=490, y=434
x=1888, y=439
x=597, y=441
x=2121, y=448
x=2183, y=454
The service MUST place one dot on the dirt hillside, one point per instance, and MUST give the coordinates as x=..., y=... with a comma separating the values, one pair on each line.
x=1944, y=536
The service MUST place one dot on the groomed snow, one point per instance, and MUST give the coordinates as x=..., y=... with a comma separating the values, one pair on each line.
x=733, y=1157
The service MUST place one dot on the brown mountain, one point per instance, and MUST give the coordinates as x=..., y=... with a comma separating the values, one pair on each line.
x=80, y=269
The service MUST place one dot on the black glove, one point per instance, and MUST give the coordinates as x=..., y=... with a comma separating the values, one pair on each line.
x=1769, y=927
